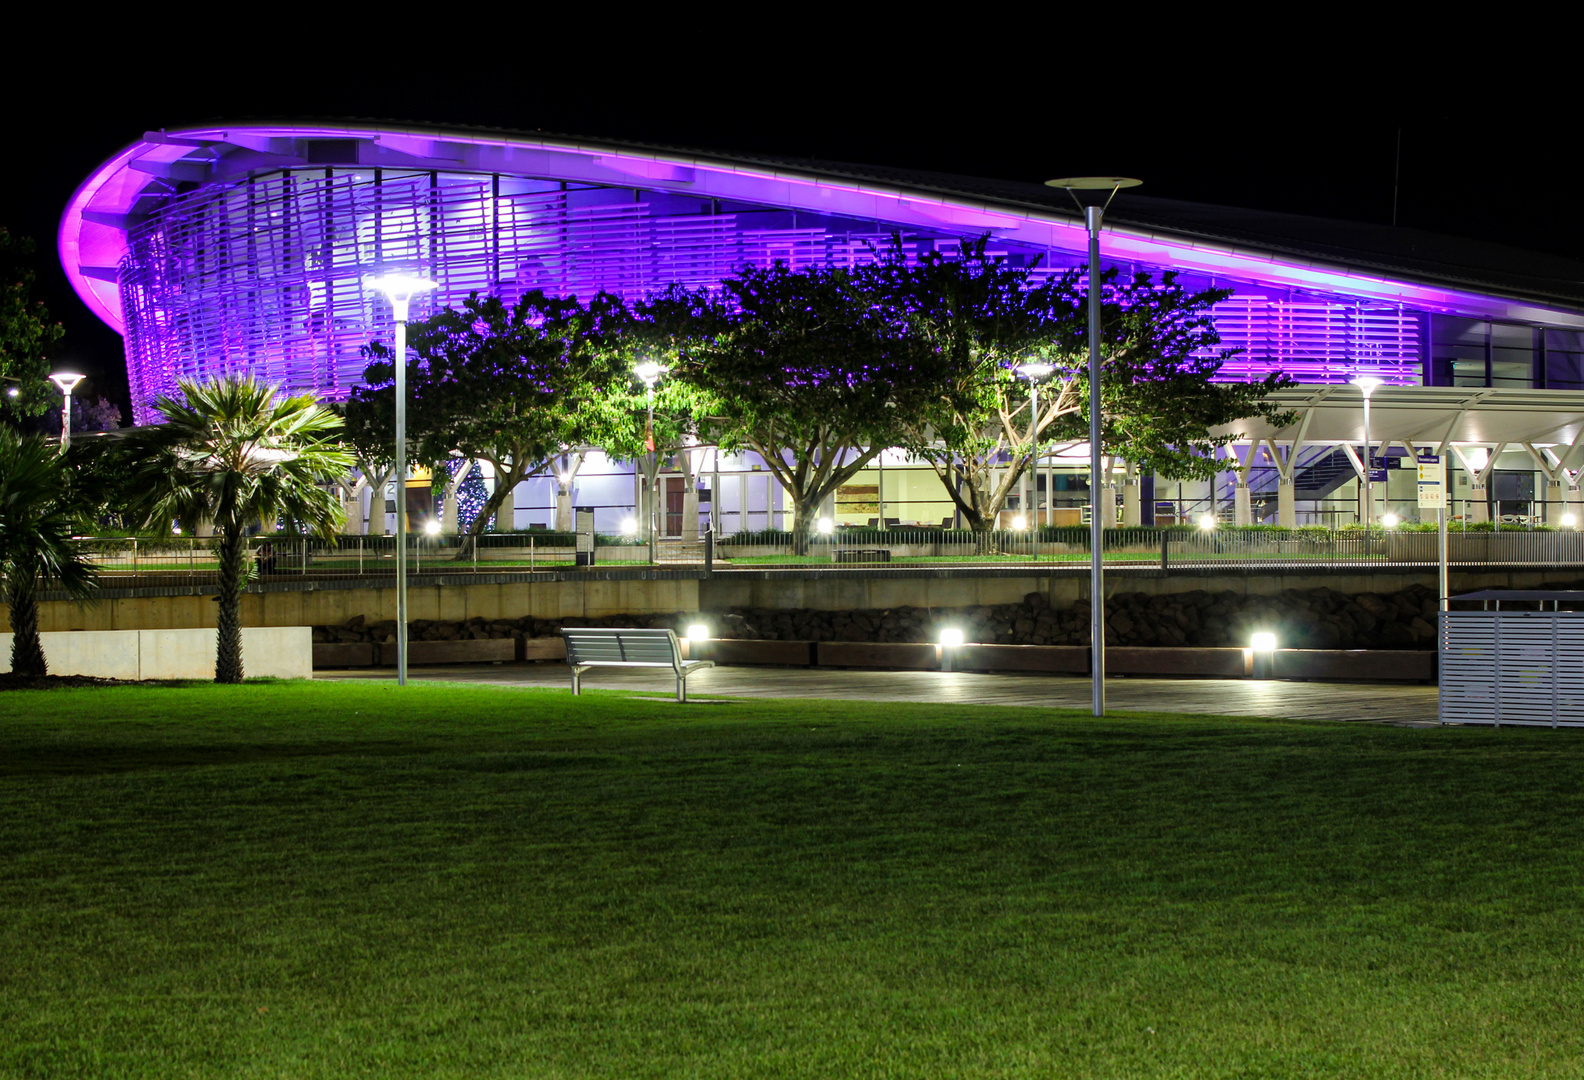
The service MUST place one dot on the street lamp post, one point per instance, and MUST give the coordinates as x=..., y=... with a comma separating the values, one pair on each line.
x=1036, y=372
x=1093, y=216
x=399, y=289
x=650, y=373
x=66, y=382
x=1367, y=385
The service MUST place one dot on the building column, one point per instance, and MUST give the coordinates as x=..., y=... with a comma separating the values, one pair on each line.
x=1286, y=503
x=1130, y=502
x=1478, y=508
x=1555, y=504
x=1242, y=509
x=690, y=511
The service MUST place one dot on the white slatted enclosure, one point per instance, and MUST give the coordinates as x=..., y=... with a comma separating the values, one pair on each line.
x=1512, y=667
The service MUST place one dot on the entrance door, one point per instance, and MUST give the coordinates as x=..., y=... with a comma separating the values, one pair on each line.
x=674, y=486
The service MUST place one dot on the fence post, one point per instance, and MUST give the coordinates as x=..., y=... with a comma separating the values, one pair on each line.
x=360, y=556
x=1165, y=540
x=709, y=550
x=305, y=556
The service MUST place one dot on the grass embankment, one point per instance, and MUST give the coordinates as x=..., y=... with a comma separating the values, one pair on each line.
x=347, y=880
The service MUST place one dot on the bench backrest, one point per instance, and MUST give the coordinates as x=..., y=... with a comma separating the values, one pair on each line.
x=591, y=645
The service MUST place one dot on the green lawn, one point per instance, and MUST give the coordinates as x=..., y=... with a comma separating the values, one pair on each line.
x=323, y=880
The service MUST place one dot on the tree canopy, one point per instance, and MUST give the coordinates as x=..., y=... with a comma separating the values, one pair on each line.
x=26, y=333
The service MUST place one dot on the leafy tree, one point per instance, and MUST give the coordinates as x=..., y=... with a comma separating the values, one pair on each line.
x=513, y=386
x=40, y=509
x=234, y=452
x=26, y=333
x=1158, y=356
x=814, y=370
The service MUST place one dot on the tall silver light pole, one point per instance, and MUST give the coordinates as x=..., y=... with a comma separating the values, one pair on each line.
x=1367, y=385
x=1035, y=372
x=399, y=289
x=650, y=373
x=1092, y=219
x=66, y=382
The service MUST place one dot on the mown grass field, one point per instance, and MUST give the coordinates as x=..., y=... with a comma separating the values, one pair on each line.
x=334, y=880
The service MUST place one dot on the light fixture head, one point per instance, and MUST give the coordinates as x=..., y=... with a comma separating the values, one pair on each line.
x=630, y=527
x=66, y=381
x=824, y=525
x=1207, y=521
x=399, y=287
x=1093, y=183
x=951, y=637
x=1366, y=384
x=649, y=372
x=1263, y=642
x=1035, y=370
x=1019, y=523
x=1570, y=521
x=12, y=391
x=698, y=632
x=432, y=527
x=1389, y=521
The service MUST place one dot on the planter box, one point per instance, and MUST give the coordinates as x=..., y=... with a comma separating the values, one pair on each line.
x=1221, y=663
x=343, y=654
x=451, y=652
x=541, y=648
x=1072, y=659
x=1353, y=664
x=735, y=651
x=865, y=654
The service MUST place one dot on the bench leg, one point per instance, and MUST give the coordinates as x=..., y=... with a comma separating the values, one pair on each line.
x=577, y=682
x=681, y=687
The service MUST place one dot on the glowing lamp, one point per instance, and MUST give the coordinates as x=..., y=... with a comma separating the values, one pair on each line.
x=1035, y=369
x=399, y=289
x=649, y=372
x=951, y=637
x=1019, y=523
x=1207, y=522
x=824, y=525
x=698, y=632
x=1389, y=521
x=432, y=527
x=66, y=381
x=1263, y=642
x=12, y=391
x=630, y=527
x=1570, y=520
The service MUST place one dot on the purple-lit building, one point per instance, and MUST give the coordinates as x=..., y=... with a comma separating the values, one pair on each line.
x=244, y=247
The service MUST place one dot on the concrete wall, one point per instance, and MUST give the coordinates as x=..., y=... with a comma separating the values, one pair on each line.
x=560, y=599
x=282, y=652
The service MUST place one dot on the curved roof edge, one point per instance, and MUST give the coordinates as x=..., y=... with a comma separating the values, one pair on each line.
x=1368, y=262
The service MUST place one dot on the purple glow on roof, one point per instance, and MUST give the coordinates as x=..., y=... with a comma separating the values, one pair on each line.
x=250, y=271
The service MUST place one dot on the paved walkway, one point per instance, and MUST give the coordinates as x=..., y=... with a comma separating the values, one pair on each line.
x=1375, y=702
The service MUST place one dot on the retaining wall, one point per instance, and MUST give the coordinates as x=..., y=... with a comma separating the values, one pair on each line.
x=282, y=652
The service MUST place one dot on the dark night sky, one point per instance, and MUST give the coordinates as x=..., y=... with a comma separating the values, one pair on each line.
x=1485, y=166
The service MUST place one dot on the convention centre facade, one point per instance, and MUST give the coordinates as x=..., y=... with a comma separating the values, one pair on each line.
x=246, y=247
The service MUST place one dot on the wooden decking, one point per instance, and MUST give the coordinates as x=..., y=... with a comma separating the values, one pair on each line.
x=1371, y=702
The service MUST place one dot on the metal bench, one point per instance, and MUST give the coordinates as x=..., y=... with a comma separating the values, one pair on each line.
x=599, y=647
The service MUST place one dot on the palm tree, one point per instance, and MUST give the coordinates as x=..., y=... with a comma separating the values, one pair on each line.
x=38, y=509
x=233, y=453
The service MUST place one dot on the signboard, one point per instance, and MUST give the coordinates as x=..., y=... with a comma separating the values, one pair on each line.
x=1432, y=483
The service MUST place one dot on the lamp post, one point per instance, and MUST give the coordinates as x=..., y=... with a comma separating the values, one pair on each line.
x=650, y=373
x=1367, y=385
x=399, y=289
x=66, y=382
x=1036, y=372
x=1092, y=219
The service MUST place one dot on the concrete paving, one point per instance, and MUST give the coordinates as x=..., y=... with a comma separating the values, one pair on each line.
x=1369, y=702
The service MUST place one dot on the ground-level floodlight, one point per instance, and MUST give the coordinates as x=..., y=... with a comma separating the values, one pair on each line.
x=698, y=632
x=399, y=289
x=824, y=525
x=1570, y=521
x=1389, y=521
x=630, y=527
x=432, y=527
x=1263, y=646
x=1263, y=641
x=1207, y=522
x=66, y=382
x=1019, y=523
x=950, y=639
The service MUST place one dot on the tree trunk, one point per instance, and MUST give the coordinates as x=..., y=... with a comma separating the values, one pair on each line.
x=984, y=537
x=805, y=521
x=504, y=487
x=27, y=654
x=228, y=617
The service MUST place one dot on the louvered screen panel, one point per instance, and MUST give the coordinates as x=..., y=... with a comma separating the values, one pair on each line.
x=1320, y=342
x=1512, y=667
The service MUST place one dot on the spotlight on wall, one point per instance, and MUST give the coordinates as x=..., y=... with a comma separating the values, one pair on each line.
x=698, y=632
x=1389, y=521
x=1207, y=522
x=432, y=527
x=824, y=525
x=1569, y=521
